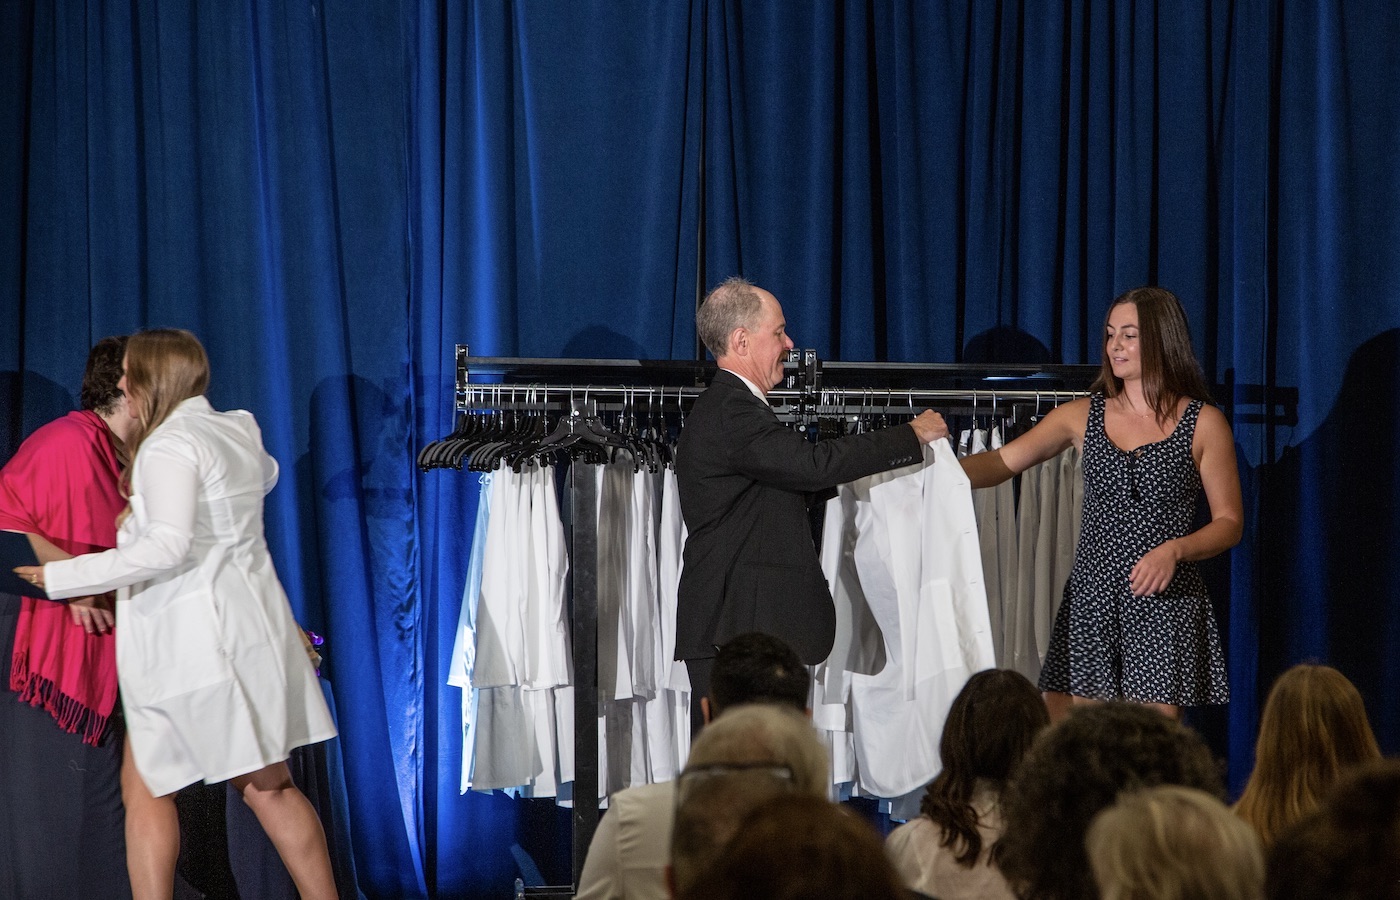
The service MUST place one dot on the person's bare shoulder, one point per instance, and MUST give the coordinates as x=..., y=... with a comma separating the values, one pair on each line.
x=1212, y=424
x=1070, y=418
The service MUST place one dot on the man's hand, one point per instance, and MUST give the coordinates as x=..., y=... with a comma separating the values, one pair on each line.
x=929, y=426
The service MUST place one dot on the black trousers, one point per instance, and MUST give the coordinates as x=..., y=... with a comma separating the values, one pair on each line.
x=700, y=671
x=61, y=815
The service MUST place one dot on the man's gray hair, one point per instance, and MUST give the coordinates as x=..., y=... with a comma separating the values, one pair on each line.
x=735, y=303
x=733, y=759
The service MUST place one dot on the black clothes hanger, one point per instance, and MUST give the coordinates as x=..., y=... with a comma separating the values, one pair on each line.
x=580, y=434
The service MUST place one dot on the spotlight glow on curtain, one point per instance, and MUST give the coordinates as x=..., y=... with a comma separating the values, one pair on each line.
x=334, y=195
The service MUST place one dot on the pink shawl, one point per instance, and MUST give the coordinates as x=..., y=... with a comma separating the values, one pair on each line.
x=62, y=484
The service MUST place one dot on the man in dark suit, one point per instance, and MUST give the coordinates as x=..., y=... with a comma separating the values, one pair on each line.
x=744, y=480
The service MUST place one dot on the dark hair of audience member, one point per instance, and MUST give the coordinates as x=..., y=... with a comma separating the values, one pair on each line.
x=1313, y=729
x=990, y=726
x=1074, y=770
x=796, y=847
x=1349, y=848
x=757, y=668
x=99, y=392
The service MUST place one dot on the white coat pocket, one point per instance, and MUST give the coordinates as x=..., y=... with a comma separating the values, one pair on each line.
x=171, y=650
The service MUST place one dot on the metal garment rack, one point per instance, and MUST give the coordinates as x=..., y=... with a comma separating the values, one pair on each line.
x=812, y=387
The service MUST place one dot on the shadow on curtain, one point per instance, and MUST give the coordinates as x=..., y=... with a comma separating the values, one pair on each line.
x=239, y=169
x=334, y=196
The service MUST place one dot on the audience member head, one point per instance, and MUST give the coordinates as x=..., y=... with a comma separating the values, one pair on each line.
x=164, y=368
x=734, y=303
x=1349, y=849
x=748, y=755
x=1074, y=770
x=800, y=848
x=1173, y=843
x=1312, y=730
x=100, y=392
x=990, y=726
x=756, y=668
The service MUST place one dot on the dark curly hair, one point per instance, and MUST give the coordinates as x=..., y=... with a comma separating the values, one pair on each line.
x=990, y=726
x=1074, y=770
x=104, y=369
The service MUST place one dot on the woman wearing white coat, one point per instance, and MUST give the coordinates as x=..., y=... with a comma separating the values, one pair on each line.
x=216, y=684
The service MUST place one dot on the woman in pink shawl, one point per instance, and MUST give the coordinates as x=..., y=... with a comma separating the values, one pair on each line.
x=60, y=746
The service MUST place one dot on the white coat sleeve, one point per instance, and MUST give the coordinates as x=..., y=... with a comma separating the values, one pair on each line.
x=166, y=474
x=270, y=472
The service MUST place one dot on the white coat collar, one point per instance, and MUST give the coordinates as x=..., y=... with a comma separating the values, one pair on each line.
x=192, y=406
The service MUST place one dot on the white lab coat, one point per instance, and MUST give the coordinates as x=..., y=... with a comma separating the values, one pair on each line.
x=521, y=737
x=921, y=570
x=214, y=678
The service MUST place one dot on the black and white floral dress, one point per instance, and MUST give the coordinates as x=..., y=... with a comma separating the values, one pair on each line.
x=1106, y=643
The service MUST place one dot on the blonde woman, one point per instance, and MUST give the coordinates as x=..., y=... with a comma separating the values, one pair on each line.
x=214, y=680
x=1173, y=843
x=1314, y=729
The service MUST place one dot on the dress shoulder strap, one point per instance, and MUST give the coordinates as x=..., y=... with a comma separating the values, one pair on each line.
x=1187, y=427
x=1094, y=427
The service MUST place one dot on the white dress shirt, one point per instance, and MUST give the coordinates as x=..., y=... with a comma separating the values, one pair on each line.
x=632, y=846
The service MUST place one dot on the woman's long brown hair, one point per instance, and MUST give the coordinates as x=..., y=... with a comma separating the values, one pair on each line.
x=990, y=726
x=1169, y=367
x=1313, y=730
x=164, y=368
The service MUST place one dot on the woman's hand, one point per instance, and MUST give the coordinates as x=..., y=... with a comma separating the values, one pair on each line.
x=32, y=574
x=1154, y=572
x=94, y=614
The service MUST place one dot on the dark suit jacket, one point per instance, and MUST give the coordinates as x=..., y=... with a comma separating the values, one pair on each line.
x=750, y=564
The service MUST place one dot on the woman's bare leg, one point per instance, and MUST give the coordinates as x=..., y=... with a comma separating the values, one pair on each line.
x=152, y=835
x=291, y=823
x=1058, y=705
x=1171, y=711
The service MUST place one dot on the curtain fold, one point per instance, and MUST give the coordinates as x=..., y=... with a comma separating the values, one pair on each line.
x=334, y=196
x=239, y=169
x=556, y=160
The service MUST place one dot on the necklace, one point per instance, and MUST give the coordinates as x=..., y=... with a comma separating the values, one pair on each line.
x=1127, y=406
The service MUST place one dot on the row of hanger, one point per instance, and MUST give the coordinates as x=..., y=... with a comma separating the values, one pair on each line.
x=525, y=428
x=832, y=414
x=516, y=425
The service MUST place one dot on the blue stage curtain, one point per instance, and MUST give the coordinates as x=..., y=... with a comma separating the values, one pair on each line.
x=239, y=169
x=334, y=195
x=556, y=187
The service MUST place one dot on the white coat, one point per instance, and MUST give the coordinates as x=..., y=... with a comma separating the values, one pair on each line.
x=214, y=678
x=921, y=571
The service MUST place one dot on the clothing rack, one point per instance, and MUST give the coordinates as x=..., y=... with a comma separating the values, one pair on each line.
x=812, y=388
